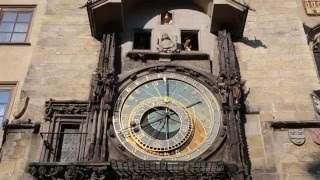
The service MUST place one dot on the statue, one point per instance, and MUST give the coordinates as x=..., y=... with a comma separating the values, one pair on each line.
x=166, y=44
x=97, y=87
x=316, y=103
x=167, y=20
x=187, y=44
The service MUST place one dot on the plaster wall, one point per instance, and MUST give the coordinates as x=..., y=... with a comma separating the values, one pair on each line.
x=15, y=59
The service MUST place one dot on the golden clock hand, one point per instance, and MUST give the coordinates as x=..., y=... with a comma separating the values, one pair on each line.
x=141, y=125
x=166, y=85
x=167, y=133
x=189, y=106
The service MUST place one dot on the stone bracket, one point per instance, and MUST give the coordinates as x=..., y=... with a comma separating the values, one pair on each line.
x=35, y=127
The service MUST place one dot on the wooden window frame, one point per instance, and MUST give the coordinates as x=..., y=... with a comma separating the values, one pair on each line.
x=19, y=8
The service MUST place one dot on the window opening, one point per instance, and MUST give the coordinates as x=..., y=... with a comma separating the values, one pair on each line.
x=142, y=40
x=190, y=41
x=69, y=143
x=166, y=18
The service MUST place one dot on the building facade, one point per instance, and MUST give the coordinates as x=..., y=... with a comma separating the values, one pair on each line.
x=186, y=89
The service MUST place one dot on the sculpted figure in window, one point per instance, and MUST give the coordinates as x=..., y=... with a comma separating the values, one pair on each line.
x=166, y=44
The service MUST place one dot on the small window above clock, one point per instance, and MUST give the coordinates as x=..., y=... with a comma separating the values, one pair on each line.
x=190, y=40
x=166, y=18
x=142, y=40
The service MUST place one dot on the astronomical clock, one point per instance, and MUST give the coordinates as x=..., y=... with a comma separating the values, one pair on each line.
x=168, y=115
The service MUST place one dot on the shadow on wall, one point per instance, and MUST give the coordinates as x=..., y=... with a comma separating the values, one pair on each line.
x=314, y=169
x=253, y=43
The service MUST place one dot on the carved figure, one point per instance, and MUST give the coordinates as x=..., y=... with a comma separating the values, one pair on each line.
x=316, y=103
x=166, y=45
x=187, y=44
x=297, y=136
x=167, y=20
x=315, y=135
x=23, y=105
x=98, y=86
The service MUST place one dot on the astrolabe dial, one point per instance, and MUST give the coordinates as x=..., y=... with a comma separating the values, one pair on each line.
x=159, y=125
x=166, y=116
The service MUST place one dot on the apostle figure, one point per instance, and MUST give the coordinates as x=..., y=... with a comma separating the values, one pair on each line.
x=166, y=45
x=187, y=44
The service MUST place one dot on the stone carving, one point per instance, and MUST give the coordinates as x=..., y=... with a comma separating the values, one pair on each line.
x=297, y=136
x=42, y=172
x=316, y=44
x=21, y=123
x=315, y=134
x=167, y=45
x=23, y=105
x=64, y=107
x=166, y=19
x=316, y=103
x=230, y=87
x=97, y=86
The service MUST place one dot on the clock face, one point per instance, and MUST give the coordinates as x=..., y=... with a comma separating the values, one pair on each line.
x=166, y=116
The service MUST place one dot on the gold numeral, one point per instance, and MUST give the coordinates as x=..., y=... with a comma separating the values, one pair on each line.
x=128, y=89
x=133, y=151
x=197, y=142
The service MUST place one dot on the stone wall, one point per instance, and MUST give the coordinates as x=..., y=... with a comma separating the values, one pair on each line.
x=64, y=57
x=20, y=146
x=278, y=65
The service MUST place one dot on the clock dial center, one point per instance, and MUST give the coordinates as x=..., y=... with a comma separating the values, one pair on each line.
x=161, y=123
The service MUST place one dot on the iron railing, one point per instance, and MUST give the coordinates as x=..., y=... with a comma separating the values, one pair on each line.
x=63, y=146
